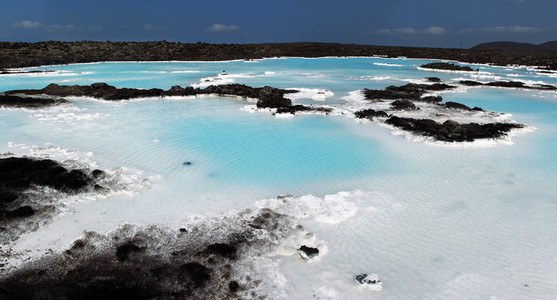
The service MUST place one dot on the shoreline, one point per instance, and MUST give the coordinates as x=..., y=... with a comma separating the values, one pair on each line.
x=25, y=55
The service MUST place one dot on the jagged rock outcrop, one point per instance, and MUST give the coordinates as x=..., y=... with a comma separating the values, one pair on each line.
x=370, y=114
x=403, y=105
x=21, y=176
x=510, y=84
x=450, y=131
x=213, y=259
x=268, y=97
x=408, y=99
x=410, y=91
x=447, y=66
x=28, y=102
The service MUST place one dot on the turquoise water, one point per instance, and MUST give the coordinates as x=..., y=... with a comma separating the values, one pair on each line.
x=435, y=222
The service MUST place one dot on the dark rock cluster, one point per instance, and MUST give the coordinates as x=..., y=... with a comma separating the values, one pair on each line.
x=308, y=253
x=370, y=114
x=451, y=131
x=128, y=272
x=410, y=91
x=268, y=97
x=456, y=105
x=447, y=66
x=5, y=72
x=28, y=102
x=133, y=262
x=509, y=84
x=20, y=175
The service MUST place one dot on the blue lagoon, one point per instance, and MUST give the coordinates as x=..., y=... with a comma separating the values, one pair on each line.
x=434, y=220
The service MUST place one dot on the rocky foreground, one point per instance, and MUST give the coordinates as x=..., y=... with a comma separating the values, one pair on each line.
x=213, y=258
x=207, y=258
x=23, y=179
x=13, y=55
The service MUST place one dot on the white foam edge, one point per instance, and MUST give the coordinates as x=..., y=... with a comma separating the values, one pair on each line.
x=157, y=98
x=65, y=113
x=286, y=116
x=550, y=75
x=309, y=93
x=376, y=78
x=171, y=72
x=387, y=64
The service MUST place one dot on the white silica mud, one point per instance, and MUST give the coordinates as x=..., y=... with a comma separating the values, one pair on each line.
x=183, y=174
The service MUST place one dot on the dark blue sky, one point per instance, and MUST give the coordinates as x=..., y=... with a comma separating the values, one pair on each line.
x=389, y=22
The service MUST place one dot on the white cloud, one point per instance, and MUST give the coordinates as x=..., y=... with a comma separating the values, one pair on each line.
x=56, y=27
x=503, y=29
x=435, y=30
x=405, y=30
x=151, y=27
x=518, y=29
x=26, y=24
x=222, y=28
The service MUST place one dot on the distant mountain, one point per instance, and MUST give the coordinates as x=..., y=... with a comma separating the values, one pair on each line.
x=513, y=46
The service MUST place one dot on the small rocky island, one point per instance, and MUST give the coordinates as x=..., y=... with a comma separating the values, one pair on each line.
x=410, y=108
x=510, y=84
x=447, y=67
x=267, y=97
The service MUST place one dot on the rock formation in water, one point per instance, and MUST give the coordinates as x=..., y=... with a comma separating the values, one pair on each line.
x=406, y=99
x=268, y=97
x=510, y=84
x=410, y=91
x=446, y=67
x=451, y=131
x=28, y=102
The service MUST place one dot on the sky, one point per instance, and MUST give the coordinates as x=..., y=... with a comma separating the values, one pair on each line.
x=421, y=23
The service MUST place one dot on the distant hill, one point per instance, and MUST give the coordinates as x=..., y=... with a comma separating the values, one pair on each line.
x=513, y=46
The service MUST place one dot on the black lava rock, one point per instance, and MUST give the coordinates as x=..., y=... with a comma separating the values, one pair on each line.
x=123, y=251
x=446, y=66
x=451, y=132
x=24, y=211
x=195, y=272
x=370, y=114
x=403, y=105
x=233, y=286
x=223, y=250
